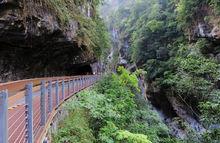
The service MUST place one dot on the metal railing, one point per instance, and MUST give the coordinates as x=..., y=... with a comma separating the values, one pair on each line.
x=27, y=107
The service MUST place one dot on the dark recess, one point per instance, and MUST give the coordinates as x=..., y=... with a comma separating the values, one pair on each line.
x=161, y=103
x=81, y=70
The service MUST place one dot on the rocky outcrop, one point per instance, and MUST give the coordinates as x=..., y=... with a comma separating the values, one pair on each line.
x=206, y=23
x=186, y=113
x=37, y=41
x=209, y=31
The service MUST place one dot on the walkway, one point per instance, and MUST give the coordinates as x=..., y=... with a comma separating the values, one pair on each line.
x=27, y=107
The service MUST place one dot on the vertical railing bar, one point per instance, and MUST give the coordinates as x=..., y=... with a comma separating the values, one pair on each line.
x=74, y=83
x=43, y=103
x=71, y=88
x=68, y=88
x=29, y=110
x=77, y=85
x=81, y=84
x=4, y=116
x=78, y=81
x=50, y=99
x=63, y=89
x=57, y=92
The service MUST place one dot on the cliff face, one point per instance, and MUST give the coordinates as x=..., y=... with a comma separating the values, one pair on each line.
x=207, y=24
x=38, y=38
x=209, y=30
x=177, y=44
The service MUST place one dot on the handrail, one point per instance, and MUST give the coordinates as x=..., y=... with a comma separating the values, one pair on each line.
x=27, y=107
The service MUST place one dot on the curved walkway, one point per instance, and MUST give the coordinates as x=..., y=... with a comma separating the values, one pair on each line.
x=27, y=107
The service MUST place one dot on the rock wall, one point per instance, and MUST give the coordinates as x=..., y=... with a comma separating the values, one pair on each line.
x=34, y=41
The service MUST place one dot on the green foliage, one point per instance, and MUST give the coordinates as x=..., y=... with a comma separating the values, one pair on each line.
x=186, y=10
x=108, y=132
x=193, y=77
x=100, y=36
x=193, y=74
x=149, y=24
x=154, y=128
x=163, y=43
x=211, y=108
x=99, y=107
x=125, y=136
x=114, y=113
x=212, y=136
x=154, y=25
x=190, y=10
x=75, y=128
x=127, y=79
x=120, y=110
x=91, y=32
x=118, y=88
x=216, y=5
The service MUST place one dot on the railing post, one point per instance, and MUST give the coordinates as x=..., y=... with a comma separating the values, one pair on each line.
x=90, y=80
x=74, y=83
x=50, y=99
x=81, y=83
x=43, y=103
x=68, y=88
x=63, y=89
x=70, y=85
x=4, y=116
x=57, y=92
x=29, y=111
x=83, y=79
x=86, y=81
x=77, y=85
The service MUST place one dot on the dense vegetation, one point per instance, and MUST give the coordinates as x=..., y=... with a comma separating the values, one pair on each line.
x=181, y=62
x=163, y=42
x=111, y=112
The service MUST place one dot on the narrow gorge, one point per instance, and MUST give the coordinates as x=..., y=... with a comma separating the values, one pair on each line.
x=176, y=44
x=157, y=61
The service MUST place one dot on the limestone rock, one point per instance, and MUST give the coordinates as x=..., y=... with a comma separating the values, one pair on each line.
x=34, y=42
x=210, y=31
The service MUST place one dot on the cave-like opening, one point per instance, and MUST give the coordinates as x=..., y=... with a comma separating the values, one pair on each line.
x=85, y=69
